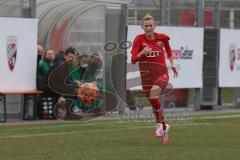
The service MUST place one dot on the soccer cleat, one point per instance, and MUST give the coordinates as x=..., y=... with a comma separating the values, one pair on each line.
x=159, y=130
x=165, y=135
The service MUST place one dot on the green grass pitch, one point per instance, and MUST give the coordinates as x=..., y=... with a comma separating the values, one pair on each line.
x=213, y=137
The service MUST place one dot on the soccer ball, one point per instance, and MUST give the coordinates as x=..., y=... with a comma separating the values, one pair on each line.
x=88, y=93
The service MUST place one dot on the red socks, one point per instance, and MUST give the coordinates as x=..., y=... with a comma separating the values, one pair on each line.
x=158, y=111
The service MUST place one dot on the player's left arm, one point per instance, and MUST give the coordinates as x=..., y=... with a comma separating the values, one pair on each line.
x=173, y=66
x=169, y=54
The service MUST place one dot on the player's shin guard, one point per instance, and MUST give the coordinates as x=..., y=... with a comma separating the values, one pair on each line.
x=158, y=111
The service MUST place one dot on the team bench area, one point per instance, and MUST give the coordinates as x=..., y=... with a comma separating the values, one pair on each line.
x=30, y=99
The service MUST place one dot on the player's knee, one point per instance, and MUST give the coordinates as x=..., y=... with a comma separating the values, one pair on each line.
x=155, y=92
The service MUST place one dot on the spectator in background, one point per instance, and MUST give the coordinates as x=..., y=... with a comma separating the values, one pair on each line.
x=88, y=71
x=76, y=76
x=40, y=52
x=43, y=68
x=48, y=65
x=60, y=84
x=61, y=66
x=85, y=70
x=46, y=61
x=58, y=59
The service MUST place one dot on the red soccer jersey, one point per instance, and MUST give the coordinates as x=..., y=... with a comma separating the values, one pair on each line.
x=154, y=61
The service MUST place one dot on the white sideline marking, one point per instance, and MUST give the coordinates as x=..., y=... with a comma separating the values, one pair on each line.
x=115, y=129
x=93, y=131
x=55, y=126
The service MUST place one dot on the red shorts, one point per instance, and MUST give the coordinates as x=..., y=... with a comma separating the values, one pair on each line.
x=161, y=81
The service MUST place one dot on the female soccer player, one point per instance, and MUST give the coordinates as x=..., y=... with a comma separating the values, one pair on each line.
x=148, y=51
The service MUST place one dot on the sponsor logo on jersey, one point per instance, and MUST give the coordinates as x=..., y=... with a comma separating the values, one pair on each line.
x=153, y=54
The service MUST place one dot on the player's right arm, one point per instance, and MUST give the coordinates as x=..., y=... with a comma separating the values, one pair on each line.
x=137, y=53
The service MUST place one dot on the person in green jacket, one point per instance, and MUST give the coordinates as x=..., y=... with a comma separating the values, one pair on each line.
x=86, y=73
x=84, y=70
x=44, y=66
